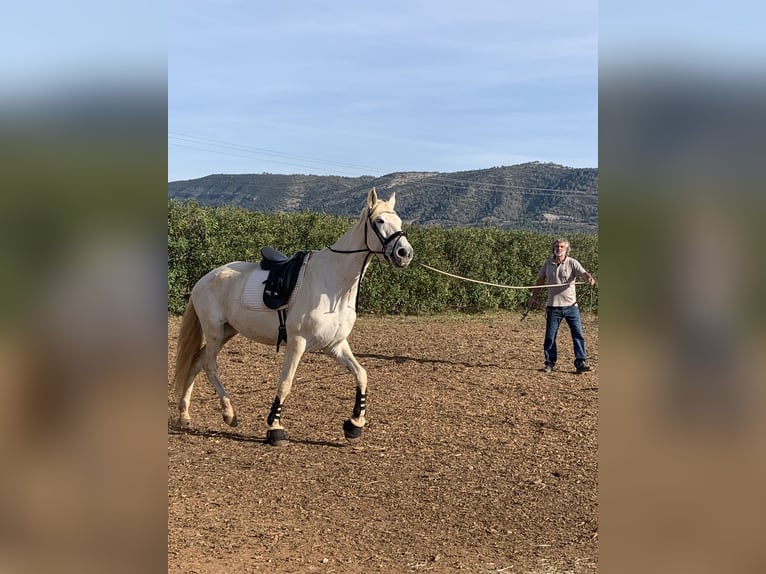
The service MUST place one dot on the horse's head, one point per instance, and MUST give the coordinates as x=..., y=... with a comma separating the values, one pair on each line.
x=387, y=227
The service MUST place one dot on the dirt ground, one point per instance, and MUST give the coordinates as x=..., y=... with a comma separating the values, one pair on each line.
x=472, y=460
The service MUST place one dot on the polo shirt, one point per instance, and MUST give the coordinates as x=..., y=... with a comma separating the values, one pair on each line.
x=564, y=272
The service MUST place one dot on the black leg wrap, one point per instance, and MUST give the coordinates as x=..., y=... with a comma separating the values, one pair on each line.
x=351, y=432
x=360, y=404
x=276, y=437
x=276, y=412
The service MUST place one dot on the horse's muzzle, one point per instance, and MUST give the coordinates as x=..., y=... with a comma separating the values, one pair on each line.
x=401, y=253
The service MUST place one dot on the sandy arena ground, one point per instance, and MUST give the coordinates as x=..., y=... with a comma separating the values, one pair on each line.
x=472, y=460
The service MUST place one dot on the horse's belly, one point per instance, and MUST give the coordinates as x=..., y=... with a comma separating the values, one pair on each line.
x=258, y=326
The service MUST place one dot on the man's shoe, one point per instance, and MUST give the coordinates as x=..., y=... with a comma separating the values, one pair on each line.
x=583, y=368
x=548, y=368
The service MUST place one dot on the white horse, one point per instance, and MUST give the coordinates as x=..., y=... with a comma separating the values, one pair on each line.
x=319, y=317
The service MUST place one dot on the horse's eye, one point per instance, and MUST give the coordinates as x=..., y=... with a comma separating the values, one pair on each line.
x=379, y=220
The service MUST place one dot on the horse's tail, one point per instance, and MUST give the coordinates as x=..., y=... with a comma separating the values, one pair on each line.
x=189, y=344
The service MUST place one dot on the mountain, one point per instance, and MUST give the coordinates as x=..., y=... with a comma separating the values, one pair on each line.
x=533, y=196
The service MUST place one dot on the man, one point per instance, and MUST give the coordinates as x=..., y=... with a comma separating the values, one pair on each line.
x=560, y=269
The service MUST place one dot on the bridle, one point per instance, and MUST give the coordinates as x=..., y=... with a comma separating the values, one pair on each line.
x=384, y=241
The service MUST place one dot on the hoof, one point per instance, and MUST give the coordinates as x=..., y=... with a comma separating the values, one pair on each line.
x=231, y=421
x=351, y=432
x=277, y=437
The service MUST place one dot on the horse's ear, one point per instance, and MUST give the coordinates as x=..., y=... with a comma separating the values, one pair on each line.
x=392, y=200
x=372, y=198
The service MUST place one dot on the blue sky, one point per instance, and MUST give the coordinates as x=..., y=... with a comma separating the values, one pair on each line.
x=708, y=35
x=367, y=88
x=47, y=46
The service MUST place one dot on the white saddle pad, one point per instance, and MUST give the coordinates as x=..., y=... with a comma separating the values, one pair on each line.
x=252, y=294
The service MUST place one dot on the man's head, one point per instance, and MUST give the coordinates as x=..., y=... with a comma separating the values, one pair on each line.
x=560, y=248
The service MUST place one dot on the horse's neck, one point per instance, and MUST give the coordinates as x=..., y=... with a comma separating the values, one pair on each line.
x=349, y=266
x=353, y=239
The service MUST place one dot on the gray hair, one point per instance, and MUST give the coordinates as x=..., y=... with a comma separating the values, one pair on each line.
x=560, y=240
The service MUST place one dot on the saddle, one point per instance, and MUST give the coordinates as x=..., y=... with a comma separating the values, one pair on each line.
x=279, y=285
x=283, y=274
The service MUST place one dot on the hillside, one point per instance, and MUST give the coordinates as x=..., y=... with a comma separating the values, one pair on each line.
x=531, y=196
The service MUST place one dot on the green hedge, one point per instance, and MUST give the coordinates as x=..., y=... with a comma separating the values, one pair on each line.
x=202, y=238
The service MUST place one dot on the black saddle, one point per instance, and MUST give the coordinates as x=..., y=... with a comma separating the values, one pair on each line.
x=272, y=258
x=283, y=275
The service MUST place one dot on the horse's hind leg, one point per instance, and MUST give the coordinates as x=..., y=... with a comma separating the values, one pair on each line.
x=216, y=338
x=199, y=361
x=352, y=428
x=185, y=400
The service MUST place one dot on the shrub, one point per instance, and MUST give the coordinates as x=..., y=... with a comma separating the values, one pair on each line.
x=202, y=238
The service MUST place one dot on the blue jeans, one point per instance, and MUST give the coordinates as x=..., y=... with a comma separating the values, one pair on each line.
x=553, y=318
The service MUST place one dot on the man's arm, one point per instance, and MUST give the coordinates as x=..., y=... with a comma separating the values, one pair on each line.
x=589, y=278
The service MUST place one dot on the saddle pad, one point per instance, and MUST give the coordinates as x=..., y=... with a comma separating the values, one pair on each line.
x=252, y=294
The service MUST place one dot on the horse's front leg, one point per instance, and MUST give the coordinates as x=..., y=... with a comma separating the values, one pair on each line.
x=275, y=433
x=352, y=428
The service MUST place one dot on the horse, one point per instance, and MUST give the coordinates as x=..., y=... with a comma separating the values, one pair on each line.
x=319, y=316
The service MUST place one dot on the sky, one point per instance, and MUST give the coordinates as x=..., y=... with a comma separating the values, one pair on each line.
x=342, y=87
x=705, y=35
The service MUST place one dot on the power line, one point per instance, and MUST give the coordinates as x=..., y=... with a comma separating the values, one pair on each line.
x=240, y=155
x=518, y=189
x=248, y=152
x=511, y=186
x=258, y=151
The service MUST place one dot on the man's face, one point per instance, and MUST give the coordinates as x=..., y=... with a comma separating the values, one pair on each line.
x=560, y=250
